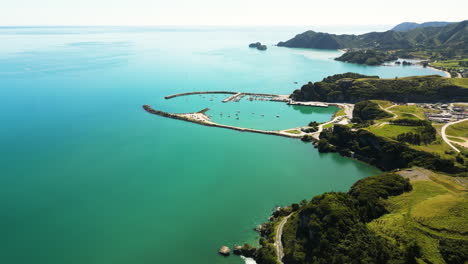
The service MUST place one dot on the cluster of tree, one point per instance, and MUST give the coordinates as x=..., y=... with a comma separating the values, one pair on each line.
x=451, y=38
x=381, y=152
x=416, y=138
x=368, y=57
x=454, y=251
x=331, y=228
x=368, y=110
x=351, y=87
x=405, y=63
x=425, y=134
x=258, y=45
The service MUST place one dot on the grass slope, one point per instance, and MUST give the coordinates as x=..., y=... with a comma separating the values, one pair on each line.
x=436, y=208
x=458, y=130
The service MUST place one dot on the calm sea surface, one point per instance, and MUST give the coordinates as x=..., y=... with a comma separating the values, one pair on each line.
x=86, y=176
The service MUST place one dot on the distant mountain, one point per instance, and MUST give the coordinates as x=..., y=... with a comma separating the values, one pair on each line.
x=406, y=26
x=453, y=35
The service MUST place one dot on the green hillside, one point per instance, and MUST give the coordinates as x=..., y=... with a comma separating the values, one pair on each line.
x=350, y=87
x=452, y=35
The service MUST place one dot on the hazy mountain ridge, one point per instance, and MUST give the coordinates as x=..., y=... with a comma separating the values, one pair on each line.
x=452, y=35
x=406, y=26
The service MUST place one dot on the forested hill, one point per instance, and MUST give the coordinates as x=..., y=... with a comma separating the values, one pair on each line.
x=453, y=36
x=406, y=26
x=353, y=87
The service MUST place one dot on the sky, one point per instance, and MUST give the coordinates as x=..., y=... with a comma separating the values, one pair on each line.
x=232, y=12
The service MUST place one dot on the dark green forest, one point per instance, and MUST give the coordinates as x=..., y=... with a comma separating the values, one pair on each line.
x=352, y=88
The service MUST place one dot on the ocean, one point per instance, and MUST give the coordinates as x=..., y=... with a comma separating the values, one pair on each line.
x=87, y=176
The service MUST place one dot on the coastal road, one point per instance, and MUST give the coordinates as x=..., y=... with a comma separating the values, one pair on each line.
x=348, y=109
x=444, y=135
x=278, y=242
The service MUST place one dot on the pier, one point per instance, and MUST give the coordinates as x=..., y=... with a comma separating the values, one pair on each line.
x=236, y=97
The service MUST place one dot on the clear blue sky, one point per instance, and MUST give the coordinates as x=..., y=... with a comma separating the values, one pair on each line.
x=232, y=12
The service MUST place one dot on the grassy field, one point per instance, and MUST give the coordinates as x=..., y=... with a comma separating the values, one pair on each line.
x=458, y=130
x=391, y=131
x=456, y=139
x=436, y=208
x=293, y=132
x=340, y=112
x=328, y=125
x=438, y=146
x=383, y=103
x=408, y=110
x=463, y=82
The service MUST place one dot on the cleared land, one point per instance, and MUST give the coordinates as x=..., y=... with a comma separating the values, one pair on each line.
x=436, y=208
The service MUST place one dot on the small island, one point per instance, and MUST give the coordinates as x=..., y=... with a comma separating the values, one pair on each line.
x=367, y=57
x=258, y=45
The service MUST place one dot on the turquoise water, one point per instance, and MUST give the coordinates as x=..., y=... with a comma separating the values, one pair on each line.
x=88, y=177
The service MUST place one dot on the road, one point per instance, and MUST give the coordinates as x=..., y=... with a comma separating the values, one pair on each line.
x=395, y=116
x=278, y=242
x=348, y=109
x=444, y=135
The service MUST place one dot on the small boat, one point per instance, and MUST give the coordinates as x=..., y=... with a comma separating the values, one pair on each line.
x=277, y=116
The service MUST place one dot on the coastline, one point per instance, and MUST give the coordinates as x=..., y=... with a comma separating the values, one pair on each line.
x=448, y=75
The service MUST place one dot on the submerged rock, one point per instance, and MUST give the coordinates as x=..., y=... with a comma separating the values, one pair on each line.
x=225, y=251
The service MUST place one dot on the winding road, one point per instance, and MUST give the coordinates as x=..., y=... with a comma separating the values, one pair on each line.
x=278, y=242
x=348, y=109
x=444, y=135
x=395, y=116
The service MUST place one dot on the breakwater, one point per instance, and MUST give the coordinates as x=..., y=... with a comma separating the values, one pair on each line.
x=205, y=92
x=273, y=97
x=282, y=133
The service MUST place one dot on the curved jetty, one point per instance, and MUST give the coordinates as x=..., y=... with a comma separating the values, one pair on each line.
x=298, y=132
x=205, y=92
x=236, y=96
x=202, y=119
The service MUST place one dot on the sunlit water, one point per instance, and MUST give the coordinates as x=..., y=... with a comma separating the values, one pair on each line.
x=88, y=177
